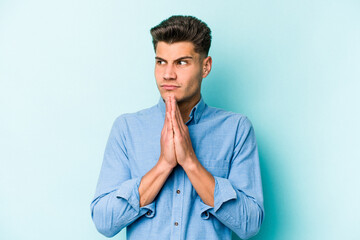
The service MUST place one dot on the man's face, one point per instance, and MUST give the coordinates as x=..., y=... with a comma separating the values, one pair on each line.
x=179, y=71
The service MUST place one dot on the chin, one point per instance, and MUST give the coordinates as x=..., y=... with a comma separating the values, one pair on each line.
x=166, y=94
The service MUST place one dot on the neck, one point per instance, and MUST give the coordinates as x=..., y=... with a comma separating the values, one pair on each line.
x=186, y=107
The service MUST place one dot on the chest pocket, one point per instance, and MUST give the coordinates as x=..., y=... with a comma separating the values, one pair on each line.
x=219, y=168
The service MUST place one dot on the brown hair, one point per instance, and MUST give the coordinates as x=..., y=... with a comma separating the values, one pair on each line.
x=183, y=28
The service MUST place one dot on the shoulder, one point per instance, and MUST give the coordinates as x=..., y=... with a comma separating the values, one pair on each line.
x=228, y=117
x=141, y=116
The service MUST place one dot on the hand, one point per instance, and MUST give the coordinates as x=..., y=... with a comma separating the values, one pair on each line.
x=183, y=148
x=167, y=155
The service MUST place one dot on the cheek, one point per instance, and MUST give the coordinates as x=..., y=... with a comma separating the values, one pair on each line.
x=195, y=80
x=157, y=75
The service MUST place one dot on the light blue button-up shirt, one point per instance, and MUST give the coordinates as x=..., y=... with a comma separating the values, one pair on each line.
x=224, y=143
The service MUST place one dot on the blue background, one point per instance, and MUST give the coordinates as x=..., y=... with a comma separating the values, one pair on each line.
x=69, y=68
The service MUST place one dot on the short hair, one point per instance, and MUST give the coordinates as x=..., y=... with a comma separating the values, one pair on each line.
x=183, y=28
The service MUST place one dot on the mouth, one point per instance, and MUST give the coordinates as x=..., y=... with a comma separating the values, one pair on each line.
x=169, y=87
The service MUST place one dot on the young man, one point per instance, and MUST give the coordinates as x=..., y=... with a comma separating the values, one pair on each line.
x=180, y=169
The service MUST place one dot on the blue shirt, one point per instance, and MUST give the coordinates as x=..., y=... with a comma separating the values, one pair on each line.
x=224, y=143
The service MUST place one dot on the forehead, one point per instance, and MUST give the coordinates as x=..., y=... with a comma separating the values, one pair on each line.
x=175, y=50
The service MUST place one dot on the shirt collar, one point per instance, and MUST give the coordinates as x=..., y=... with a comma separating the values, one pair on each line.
x=195, y=112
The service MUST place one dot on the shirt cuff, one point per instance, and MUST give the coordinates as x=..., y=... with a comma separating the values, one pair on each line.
x=148, y=210
x=224, y=192
x=129, y=190
x=204, y=209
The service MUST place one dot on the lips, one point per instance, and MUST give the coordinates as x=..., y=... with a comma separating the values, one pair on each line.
x=169, y=87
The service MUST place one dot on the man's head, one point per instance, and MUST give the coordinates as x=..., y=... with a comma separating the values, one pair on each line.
x=183, y=29
x=181, y=44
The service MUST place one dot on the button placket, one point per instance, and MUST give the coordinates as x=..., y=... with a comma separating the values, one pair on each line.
x=177, y=203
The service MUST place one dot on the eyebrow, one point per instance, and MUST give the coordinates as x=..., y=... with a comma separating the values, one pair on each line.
x=181, y=58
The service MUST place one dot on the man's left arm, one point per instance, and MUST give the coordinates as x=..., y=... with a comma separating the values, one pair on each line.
x=236, y=201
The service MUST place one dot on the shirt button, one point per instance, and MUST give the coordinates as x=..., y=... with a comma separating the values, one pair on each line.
x=178, y=191
x=206, y=214
x=176, y=223
x=148, y=213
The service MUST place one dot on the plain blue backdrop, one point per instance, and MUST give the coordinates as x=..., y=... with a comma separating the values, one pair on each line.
x=69, y=68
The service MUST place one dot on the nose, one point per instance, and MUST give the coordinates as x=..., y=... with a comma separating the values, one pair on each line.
x=169, y=73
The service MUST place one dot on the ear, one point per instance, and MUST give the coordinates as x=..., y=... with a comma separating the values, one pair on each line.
x=206, y=66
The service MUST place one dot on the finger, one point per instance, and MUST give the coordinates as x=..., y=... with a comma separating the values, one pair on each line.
x=176, y=128
x=172, y=110
x=167, y=104
x=164, y=130
x=166, y=111
x=175, y=119
x=169, y=127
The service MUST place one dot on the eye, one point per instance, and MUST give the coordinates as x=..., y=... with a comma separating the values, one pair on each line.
x=182, y=62
x=160, y=62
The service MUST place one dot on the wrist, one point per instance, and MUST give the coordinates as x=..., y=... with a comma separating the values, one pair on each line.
x=164, y=166
x=190, y=164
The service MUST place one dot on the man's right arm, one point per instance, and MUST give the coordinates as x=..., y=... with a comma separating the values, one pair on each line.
x=119, y=199
x=153, y=181
x=116, y=201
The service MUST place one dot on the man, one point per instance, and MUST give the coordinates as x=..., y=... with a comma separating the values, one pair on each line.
x=180, y=169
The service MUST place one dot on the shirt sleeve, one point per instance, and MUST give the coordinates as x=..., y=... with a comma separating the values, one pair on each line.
x=238, y=199
x=116, y=201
